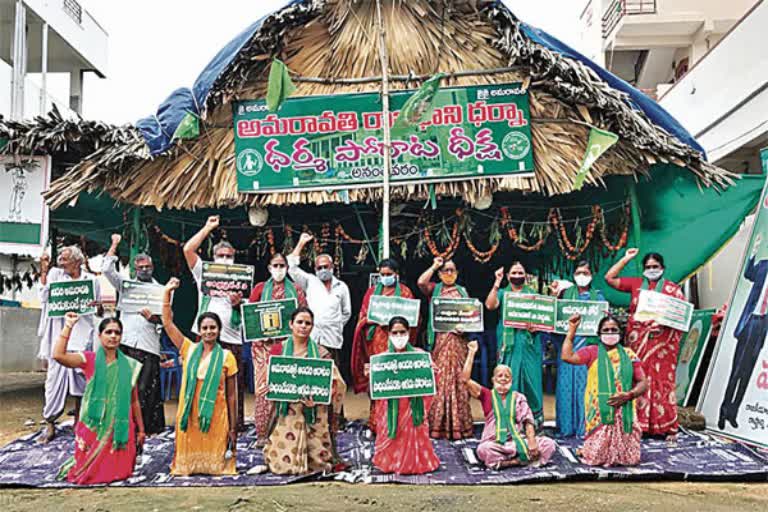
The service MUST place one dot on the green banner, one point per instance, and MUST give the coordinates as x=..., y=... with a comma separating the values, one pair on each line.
x=267, y=319
x=663, y=309
x=65, y=296
x=290, y=379
x=336, y=142
x=401, y=375
x=591, y=313
x=691, y=347
x=450, y=314
x=219, y=280
x=599, y=142
x=526, y=311
x=381, y=309
x=136, y=295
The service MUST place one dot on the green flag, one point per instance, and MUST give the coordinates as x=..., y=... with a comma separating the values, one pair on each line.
x=280, y=85
x=189, y=127
x=418, y=107
x=3, y=142
x=598, y=143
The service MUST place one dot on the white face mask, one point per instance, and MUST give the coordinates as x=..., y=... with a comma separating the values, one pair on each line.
x=582, y=280
x=653, y=274
x=278, y=274
x=224, y=261
x=610, y=340
x=399, y=341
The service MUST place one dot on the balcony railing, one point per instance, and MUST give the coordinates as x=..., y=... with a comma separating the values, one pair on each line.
x=617, y=9
x=75, y=11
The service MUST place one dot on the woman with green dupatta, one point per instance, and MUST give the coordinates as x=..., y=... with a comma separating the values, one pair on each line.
x=301, y=441
x=206, y=420
x=110, y=426
x=615, y=379
x=520, y=349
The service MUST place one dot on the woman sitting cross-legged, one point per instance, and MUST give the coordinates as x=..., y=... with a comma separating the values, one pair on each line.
x=509, y=437
x=110, y=426
x=615, y=379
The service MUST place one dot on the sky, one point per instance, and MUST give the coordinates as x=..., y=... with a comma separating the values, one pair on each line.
x=156, y=46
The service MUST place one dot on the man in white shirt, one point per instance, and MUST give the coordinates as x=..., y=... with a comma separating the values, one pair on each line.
x=61, y=382
x=230, y=337
x=141, y=339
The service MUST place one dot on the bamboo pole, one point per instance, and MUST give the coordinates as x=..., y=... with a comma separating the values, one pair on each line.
x=385, y=124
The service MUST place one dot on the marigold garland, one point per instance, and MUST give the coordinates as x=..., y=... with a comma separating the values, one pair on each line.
x=624, y=234
x=506, y=221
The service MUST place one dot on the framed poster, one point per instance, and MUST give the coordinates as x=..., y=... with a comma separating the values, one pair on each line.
x=23, y=211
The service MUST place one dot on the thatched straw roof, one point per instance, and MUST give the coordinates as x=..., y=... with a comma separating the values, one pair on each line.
x=338, y=39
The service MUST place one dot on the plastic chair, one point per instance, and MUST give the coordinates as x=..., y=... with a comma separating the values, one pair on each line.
x=482, y=366
x=169, y=375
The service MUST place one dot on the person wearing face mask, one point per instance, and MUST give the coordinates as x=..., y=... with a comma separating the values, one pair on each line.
x=520, y=349
x=277, y=287
x=371, y=339
x=571, y=380
x=450, y=416
x=140, y=339
x=62, y=381
x=227, y=309
x=403, y=446
x=509, y=437
x=656, y=345
x=206, y=419
x=615, y=380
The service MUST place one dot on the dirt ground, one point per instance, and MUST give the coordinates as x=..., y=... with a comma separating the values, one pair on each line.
x=21, y=402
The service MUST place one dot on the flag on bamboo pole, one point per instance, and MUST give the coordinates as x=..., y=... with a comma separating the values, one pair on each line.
x=189, y=127
x=418, y=107
x=599, y=142
x=279, y=86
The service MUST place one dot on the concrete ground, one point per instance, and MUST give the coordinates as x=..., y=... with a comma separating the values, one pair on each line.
x=21, y=402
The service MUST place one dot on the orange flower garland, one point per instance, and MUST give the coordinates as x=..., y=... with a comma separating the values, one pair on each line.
x=451, y=249
x=570, y=251
x=506, y=221
x=622, y=238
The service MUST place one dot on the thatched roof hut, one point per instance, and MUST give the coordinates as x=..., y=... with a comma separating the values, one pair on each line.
x=331, y=47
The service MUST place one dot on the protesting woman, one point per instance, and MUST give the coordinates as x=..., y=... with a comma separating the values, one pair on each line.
x=403, y=445
x=509, y=437
x=520, y=349
x=371, y=339
x=450, y=416
x=615, y=379
x=301, y=440
x=206, y=421
x=657, y=346
x=277, y=287
x=110, y=426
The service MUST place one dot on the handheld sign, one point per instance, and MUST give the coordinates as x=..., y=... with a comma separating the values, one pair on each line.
x=267, y=319
x=219, y=280
x=524, y=311
x=665, y=310
x=450, y=314
x=591, y=313
x=401, y=375
x=691, y=348
x=136, y=295
x=66, y=296
x=382, y=308
x=292, y=378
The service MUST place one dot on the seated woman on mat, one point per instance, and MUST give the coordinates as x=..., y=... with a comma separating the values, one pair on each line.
x=509, y=437
x=206, y=420
x=300, y=441
x=110, y=427
x=615, y=379
x=403, y=445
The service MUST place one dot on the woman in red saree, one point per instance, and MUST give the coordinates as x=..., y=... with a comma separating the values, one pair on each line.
x=656, y=346
x=277, y=287
x=369, y=338
x=450, y=416
x=403, y=445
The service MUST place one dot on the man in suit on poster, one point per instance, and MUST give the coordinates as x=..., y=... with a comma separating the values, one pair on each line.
x=750, y=334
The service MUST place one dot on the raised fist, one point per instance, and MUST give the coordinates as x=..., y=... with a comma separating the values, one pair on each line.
x=437, y=262
x=631, y=253
x=45, y=263
x=173, y=283
x=574, y=321
x=116, y=239
x=305, y=238
x=499, y=275
x=212, y=222
x=70, y=319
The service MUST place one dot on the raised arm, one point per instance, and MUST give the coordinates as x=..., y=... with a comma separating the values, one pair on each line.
x=108, y=267
x=423, y=281
x=612, y=276
x=466, y=372
x=567, y=354
x=194, y=243
x=171, y=330
x=492, y=300
x=60, y=354
x=294, y=259
x=45, y=266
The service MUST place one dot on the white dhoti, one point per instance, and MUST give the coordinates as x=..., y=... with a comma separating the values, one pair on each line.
x=59, y=383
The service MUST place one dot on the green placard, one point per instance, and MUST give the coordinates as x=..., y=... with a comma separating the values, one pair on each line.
x=267, y=319
x=219, y=280
x=136, y=295
x=335, y=142
x=292, y=378
x=665, y=310
x=401, y=374
x=450, y=314
x=691, y=347
x=382, y=308
x=591, y=313
x=524, y=311
x=65, y=296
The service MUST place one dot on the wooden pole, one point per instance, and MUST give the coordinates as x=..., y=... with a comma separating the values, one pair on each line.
x=636, y=227
x=385, y=124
